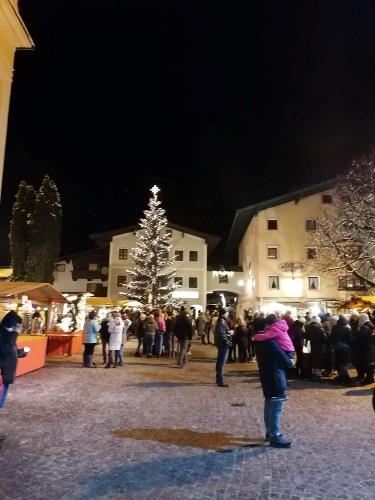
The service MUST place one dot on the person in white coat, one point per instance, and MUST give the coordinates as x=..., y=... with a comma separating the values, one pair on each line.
x=115, y=329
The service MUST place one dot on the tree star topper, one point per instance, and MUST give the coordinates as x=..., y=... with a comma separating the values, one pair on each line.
x=154, y=190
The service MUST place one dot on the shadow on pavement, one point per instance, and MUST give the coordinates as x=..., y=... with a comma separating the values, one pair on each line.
x=150, y=385
x=359, y=392
x=164, y=472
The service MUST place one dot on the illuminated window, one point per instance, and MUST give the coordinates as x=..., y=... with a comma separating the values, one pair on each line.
x=123, y=254
x=312, y=253
x=272, y=224
x=193, y=256
x=327, y=198
x=272, y=252
x=313, y=283
x=179, y=255
x=351, y=283
x=311, y=225
x=273, y=282
x=93, y=267
x=121, y=280
x=60, y=268
x=193, y=282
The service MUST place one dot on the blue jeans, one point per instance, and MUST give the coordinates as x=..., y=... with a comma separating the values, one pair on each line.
x=272, y=415
x=222, y=354
x=148, y=341
x=159, y=338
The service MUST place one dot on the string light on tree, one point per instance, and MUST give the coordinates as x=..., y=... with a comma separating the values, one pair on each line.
x=152, y=274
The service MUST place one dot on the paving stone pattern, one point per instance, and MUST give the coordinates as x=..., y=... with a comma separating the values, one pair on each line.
x=59, y=424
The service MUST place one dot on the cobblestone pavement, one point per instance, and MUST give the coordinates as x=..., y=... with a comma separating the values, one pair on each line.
x=59, y=424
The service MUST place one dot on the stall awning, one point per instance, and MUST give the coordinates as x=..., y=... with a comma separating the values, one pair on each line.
x=43, y=293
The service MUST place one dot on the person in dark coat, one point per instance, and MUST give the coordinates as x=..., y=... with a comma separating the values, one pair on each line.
x=104, y=337
x=271, y=361
x=223, y=341
x=365, y=365
x=315, y=333
x=170, y=323
x=296, y=333
x=341, y=340
x=140, y=329
x=183, y=330
x=242, y=334
x=10, y=327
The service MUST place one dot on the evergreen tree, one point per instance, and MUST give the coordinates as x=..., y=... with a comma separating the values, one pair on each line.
x=19, y=229
x=45, y=231
x=152, y=272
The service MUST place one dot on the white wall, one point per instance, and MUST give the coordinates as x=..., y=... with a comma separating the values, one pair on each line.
x=64, y=283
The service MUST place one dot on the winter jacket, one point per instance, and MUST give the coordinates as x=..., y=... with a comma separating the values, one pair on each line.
x=8, y=355
x=115, y=329
x=272, y=361
x=221, y=334
x=201, y=324
x=318, y=340
x=90, y=331
x=140, y=328
x=104, y=333
x=296, y=333
x=183, y=328
x=150, y=326
x=365, y=341
x=127, y=324
x=170, y=324
x=161, y=324
x=277, y=331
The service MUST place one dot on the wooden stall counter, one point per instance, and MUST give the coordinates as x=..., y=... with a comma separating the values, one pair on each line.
x=37, y=356
x=64, y=344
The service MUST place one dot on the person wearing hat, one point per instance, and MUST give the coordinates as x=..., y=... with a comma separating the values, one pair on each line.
x=223, y=340
x=10, y=327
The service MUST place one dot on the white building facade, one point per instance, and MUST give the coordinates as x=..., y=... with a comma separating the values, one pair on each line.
x=279, y=257
x=190, y=249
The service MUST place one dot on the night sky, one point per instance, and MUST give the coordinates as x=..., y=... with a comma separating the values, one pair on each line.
x=222, y=104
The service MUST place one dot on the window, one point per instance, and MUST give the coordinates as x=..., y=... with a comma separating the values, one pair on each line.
x=169, y=232
x=123, y=254
x=178, y=280
x=223, y=278
x=121, y=280
x=272, y=252
x=272, y=223
x=351, y=283
x=179, y=255
x=313, y=283
x=193, y=256
x=60, y=268
x=93, y=267
x=273, y=282
x=327, y=198
x=312, y=253
x=311, y=225
x=193, y=282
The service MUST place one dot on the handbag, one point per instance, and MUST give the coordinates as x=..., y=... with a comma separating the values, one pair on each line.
x=306, y=349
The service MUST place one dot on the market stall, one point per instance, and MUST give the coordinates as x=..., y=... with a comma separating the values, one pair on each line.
x=36, y=303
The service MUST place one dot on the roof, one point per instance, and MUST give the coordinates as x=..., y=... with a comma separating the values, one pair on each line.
x=106, y=237
x=38, y=292
x=244, y=215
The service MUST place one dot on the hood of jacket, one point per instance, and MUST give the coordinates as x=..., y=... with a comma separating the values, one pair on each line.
x=280, y=326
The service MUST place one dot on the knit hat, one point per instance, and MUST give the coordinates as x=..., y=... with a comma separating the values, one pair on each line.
x=11, y=319
x=363, y=318
x=316, y=319
x=270, y=319
x=222, y=311
x=333, y=319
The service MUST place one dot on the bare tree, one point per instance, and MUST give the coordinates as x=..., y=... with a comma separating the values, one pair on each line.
x=346, y=233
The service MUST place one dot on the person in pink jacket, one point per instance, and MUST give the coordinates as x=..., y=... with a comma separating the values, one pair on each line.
x=159, y=336
x=277, y=329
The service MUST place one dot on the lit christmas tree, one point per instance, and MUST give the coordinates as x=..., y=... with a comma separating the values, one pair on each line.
x=152, y=273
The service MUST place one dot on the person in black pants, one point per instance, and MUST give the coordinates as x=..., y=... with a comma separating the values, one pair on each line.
x=104, y=337
x=183, y=330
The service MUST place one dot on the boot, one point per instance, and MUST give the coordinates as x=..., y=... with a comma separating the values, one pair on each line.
x=85, y=362
x=89, y=362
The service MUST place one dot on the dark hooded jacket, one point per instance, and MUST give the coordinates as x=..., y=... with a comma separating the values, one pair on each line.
x=8, y=347
x=272, y=363
x=341, y=340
